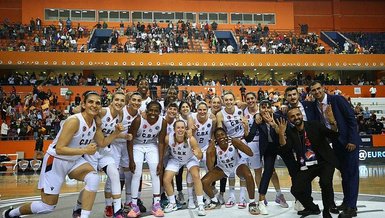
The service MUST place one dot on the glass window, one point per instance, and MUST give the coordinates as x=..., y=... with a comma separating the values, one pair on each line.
x=89, y=15
x=269, y=18
x=222, y=18
x=247, y=18
x=235, y=18
x=213, y=17
x=64, y=14
x=114, y=16
x=124, y=16
x=76, y=15
x=191, y=16
x=51, y=14
x=103, y=15
x=258, y=18
x=137, y=16
x=179, y=16
x=203, y=17
x=147, y=16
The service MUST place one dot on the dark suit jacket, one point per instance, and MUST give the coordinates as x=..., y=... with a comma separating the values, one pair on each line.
x=317, y=134
x=310, y=110
x=346, y=121
x=263, y=136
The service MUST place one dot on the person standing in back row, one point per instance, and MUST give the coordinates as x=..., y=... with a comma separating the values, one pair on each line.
x=345, y=147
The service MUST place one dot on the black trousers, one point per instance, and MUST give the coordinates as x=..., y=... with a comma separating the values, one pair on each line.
x=303, y=179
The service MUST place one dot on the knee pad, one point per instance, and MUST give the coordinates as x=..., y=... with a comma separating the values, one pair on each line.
x=39, y=207
x=92, y=181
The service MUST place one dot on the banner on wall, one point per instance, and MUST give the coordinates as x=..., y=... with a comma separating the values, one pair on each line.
x=357, y=90
x=63, y=91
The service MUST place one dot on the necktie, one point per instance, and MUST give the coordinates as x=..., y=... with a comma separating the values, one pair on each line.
x=321, y=108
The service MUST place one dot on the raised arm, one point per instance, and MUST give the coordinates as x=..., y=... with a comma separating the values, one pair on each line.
x=242, y=147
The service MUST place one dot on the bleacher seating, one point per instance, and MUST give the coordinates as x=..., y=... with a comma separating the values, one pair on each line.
x=376, y=105
x=366, y=39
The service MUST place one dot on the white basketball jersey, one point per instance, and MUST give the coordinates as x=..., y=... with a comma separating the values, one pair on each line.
x=144, y=104
x=170, y=127
x=233, y=123
x=126, y=121
x=80, y=139
x=147, y=133
x=109, y=122
x=228, y=159
x=181, y=151
x=203, y=131
x=250, y=118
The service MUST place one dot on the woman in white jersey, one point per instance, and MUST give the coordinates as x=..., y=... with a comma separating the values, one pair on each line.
x=103, y=160
x=119, y=146
x=184, y=151
x=226, y=152
x=185, y=116
x=255, y=162
x=232, y=120
x=216, y=106
x=64, y=157
x=148, y=133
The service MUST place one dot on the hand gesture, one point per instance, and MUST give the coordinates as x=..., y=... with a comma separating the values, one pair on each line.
x=196, y=153
x=119, y=127
x=132, y=166
x=268, y=118
x=258, y=119
x=284, y=109
x=329, y=113
x=91, y=148
x=129, y=137
x=282, y=124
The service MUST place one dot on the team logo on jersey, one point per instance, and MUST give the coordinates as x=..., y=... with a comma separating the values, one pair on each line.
x=208, y=125
x=230, y=149
x=197, y=126
x=184, y=146
x=111, y=124
x=108, y=119
x=82, y=135
x=157, y=127
x=116, y=121
x=248, y=116
x=220, y=152
x=150, y=130
x=239, y=112
x=84, y=128
x=128, y=117
x=89, y=133
x=144, y=126
x=94, y=129
x=229, y=117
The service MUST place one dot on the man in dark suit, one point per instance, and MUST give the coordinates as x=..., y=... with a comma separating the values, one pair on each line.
x=345, y=147
x=308, y=140
x=306, y=107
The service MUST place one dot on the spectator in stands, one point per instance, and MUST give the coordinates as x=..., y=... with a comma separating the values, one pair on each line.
x=105, y=25
x=373, y=91
x=4, y=130
x=39, y=154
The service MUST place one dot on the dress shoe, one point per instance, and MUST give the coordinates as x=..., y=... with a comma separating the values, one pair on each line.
x=348, y=213
x=334, y=210
x=342, y=207
x=326, y=214
x=307, y=212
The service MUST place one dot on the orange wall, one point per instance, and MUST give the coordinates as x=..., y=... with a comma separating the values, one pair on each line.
x=346, y=90
x=99, y=61
x=10, y=9
x=28, y=146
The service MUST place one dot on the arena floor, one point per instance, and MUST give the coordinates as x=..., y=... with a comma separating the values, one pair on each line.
x=16, y=189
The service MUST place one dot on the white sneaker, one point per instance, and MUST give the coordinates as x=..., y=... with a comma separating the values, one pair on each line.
x=262, y=208
x=230, y=202
x=170, y=208
x=201, y=210
x=298, y=206
x=191, y=205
